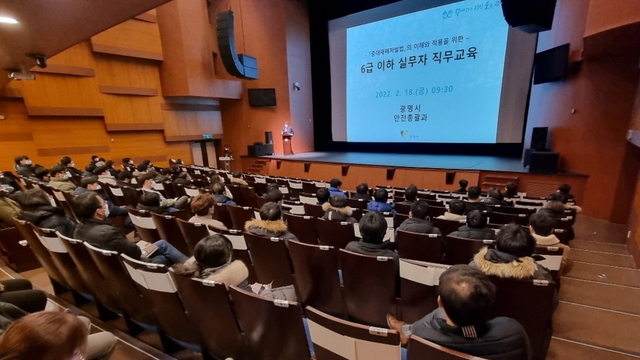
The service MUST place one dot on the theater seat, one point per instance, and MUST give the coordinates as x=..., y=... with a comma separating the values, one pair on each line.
x=270, y=259
x=16, y=255
x=419, y=288
x=421, y=349
x=192, y=233
x=448, y=226
x=273, y=328
x=169, y=230
x=313, y=210
x=335, y=338
x=459, y=250
x=423, y=247
x=240, y=215
x=145, y=227
x=333, y=233
x=303, y=227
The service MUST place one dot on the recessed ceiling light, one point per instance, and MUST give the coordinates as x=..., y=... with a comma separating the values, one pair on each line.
x=8, y=20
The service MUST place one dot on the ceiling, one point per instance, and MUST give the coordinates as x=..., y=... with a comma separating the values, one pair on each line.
x=50, y=26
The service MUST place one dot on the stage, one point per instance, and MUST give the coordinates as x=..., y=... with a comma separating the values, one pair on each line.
x=417, y=161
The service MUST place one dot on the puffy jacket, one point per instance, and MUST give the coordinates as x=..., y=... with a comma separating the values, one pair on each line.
x=421, y=226
x=276, y=228
x=49, y=217
x=474, y=233
x=223, y=199
x=62, y=184
x=338, y=214
x=104, y=235
x=379, y=206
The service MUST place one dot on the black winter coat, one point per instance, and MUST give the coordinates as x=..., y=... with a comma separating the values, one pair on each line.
x=474, y=233
x=420, y=226
x=49, y=217
x=104, y=235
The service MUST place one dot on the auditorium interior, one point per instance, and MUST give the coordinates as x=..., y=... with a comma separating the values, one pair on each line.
x=161, y=80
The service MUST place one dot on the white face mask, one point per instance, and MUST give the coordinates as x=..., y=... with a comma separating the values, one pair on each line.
x=72, y=164
x=106, y=210
x=98, y=188
x=27, y=162
x=153, y=184
x=99, y=163
x=52, y=201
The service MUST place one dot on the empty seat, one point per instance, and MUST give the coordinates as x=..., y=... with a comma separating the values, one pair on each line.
x=270, y=259
x=419, y=288
x=303, y=227
x=115, y=194
x=249, y=197
x=357, y=203
x=333, y=233
x=240, y=215
x=273, y=328
x=237, y=194
x=169, y=189
x=420, y=349
x=423, y=247
x=459, y=250
x=307, y=198
x=448, y=226
x=435, y=211
x=297, y=207
x=169, y=230
x=221, y=213
x=192, y=233
x=368, y=277
x=15, y=251
x=562, y=235
x=313, y=210
x=317, y=281
x=502, y=218
x=145, y=227
x=220, y=335
x=155, y=283
x=335, y=338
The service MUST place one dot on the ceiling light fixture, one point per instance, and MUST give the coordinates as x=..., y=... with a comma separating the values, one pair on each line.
x=8, y=20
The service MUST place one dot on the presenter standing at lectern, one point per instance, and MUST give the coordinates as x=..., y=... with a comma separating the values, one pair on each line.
x=287, y=134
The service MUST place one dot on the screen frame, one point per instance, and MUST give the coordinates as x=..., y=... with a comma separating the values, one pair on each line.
x=320, y=13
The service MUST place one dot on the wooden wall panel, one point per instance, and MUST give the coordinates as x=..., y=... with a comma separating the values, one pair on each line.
x=134, y=38
x=49, y=90
x=125, y=109
x=112, y=70
x=633, y=239
x=191, y=124
x=608, y=14
x=78, y=55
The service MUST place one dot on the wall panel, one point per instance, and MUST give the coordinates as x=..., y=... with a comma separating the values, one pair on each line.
x=134, y=38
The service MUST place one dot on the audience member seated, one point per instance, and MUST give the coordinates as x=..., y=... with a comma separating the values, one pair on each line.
x=23, y=166
x=512, y=257
x=494, y=197
x=463, y=187
x=95, y=159
x=362, y=192
x=274, y=195
x=236, y=178
x=463, y=320
x=55, y=335
x=476, y=227
x=215, y=178
x=60, y=180
x=150, y=201
x=541, y=228
x=474, y=202
x=565, y=189
x=124, y=178
x=148, y=185
x=140, y=170
x=91, y=184
x=217, y=192
x=88, y=170
x=128, y=164
x=113, y=172
x=373, y=228
x=410, y=195
x=334, y=188
x=20, y=293
x=336, y=209
x=9, y=210
x=212, y=261
x=271, y=224
x=203, y=205
x=511, y=189
x=104, y=176
x=37, y=209
x=455, y=211
x=70, y=166
x=379, y=203
x=556, y=198
x=41, y=175
x=183, y=179
x=323, y=196
x=98, y=231
x=418, y=221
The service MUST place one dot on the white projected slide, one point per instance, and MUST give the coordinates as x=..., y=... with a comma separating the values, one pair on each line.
x=434, y=75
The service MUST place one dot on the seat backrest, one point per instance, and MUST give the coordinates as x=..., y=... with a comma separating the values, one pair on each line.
x=169, y=230
x=115, y=194
x=179, y=190
x=335, y=338
x=240, y=215
x=313, y=210
x=306, y=198
x=61, y=200
x=15, y=251
x=303, y=227
x=143, y=222
x=40, y=251
x=423, y=247
x=192, y=233
x=551, y=258
x=531, y=303
x=435, y=211
x=89, y=272
x=122, y=287
x=459, y=250
x=562, y=235
x=169, y=189
x=221, y=213
x=61, y=258
x=131, y=196
x=448, y=226
x=399, y=219
x=502, y=218
x=237, y=194
x=334, y=233
x=219, y=331
x=403, y=208
x=420, y=349
x=317, y=281
x=267, y=322
x=297, y=207
x=564, y=223
x=367, y=277
x=357, y=203
x=419, y=288
x=249, y=197
x=155, y=282
x=270, y=260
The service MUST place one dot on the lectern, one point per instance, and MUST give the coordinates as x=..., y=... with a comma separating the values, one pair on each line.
x=286, y=144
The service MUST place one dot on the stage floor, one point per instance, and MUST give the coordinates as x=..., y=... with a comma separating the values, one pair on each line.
x=428, y=161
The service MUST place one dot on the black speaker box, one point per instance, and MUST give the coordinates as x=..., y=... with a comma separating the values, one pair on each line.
x=268, y=137
x=544, y=162
x=540, y=138
x=242, y=66
x=531, y=16
x=260, y=150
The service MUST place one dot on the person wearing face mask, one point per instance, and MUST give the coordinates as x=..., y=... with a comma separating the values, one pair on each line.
x=97, y=230
x=91, y=183
x=37, y=209
x=104, y=176
x=148, y=185
x=59, y=179
x=70, y=166
x=23, y=165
